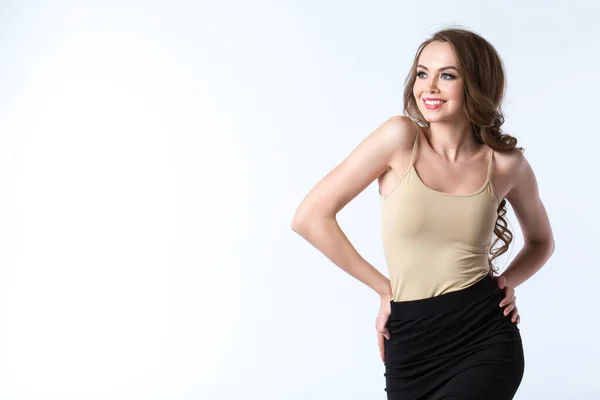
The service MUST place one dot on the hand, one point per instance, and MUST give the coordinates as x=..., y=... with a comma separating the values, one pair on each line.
x=510, y=300
x=381, y=322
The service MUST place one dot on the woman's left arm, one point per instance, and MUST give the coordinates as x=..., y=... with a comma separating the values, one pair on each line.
x=525, y=200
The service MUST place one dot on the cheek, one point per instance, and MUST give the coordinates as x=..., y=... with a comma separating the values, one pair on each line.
x=417, y=91
x=458, y=100
x=456, y=92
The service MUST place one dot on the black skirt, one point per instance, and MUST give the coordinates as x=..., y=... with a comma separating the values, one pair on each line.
x=455, y=345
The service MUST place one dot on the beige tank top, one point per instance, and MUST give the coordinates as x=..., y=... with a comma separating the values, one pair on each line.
x=436, y=242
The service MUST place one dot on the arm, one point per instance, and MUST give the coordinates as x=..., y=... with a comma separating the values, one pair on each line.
x=315, y=218
x=533, y=220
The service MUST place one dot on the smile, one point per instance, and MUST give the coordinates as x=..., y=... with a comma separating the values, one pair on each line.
x=433, y=105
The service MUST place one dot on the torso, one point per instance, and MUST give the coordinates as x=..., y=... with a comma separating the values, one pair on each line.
x=438, y=218
x=452, y=178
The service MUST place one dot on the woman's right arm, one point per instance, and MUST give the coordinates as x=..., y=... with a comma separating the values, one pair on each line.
x=315, y=218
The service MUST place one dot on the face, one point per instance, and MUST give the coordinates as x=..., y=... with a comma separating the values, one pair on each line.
x=435, y=80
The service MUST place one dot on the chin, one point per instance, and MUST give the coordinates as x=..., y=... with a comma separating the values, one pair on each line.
x=430, y=116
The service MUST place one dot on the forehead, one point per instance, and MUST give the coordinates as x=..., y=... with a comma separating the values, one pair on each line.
x=437, y=55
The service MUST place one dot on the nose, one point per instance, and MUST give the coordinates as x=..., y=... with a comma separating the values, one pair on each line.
x=431, y=86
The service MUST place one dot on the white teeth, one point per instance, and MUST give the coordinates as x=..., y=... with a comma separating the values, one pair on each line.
x=431, y=103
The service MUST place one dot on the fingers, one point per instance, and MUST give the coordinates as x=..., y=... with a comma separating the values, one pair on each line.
x=513, y=310
x=510, y=301
x=509, y=308
x=381, y=343
x=510, y=298
x=381, y=325
x=382, y=334
x=515, y=315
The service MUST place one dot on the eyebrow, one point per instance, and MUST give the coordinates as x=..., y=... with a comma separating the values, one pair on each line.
x=441, y=69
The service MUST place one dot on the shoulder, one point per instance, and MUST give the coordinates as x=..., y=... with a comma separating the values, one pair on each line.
x=509, y=161
x=511, y=165
x=398, y=132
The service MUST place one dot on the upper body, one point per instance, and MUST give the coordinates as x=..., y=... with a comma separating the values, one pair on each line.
x=448, y=160
x=385, y=156
x=436, y=233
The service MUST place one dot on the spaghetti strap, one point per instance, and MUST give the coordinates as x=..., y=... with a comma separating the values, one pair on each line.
x=412, y=157
x=490, y=164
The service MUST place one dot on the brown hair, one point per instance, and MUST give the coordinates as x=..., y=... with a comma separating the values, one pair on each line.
x=484, y=88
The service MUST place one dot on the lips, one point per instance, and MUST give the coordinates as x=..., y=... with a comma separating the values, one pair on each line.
x=433, y=106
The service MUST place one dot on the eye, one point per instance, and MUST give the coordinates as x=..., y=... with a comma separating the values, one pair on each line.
x=422, y=72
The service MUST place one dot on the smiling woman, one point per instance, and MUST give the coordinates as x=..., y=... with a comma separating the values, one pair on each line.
x=445, y=172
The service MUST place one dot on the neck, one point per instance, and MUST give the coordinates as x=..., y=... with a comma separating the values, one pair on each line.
x=452, y=140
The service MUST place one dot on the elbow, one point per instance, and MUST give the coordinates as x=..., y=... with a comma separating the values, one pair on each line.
x=296, y=224
x=301, y=221
x=545, y=245
x=548, y=244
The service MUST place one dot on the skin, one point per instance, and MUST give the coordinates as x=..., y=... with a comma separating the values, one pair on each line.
x=449, y=160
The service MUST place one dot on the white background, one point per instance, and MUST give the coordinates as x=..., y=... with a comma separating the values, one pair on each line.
x=152, y=155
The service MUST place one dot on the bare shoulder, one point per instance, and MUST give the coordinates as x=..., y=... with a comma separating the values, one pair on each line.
x=506, y=167
x=516, y=176
x=510, y=164
x=522, y=177
x=509, y=161
x=370, y=158
x=399, y=131
x=394, y=138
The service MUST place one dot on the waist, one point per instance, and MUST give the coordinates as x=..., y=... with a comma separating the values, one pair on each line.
x=444, y=302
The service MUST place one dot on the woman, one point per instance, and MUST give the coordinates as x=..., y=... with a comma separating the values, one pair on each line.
x=447, y=323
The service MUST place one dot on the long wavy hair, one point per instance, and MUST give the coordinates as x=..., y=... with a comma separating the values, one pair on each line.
x=482, y=70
